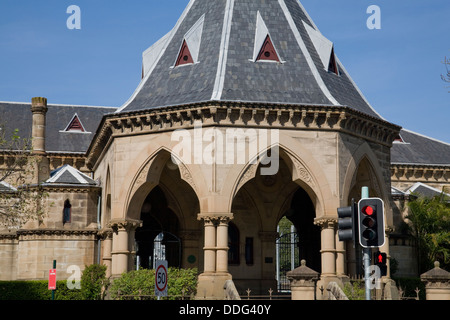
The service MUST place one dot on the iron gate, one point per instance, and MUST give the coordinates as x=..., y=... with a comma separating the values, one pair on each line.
x=288, y=258
x=165, y=246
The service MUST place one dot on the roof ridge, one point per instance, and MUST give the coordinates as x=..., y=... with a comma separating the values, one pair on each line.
x=61, y=105
x=427, y=137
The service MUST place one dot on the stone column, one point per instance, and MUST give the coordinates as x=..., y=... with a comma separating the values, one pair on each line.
x=121, y=245
x=222, y=245
x=340, y=257
x=385, y=249
x=328, y=248
x=211, y=282
x=107, y=236
x=210, y=246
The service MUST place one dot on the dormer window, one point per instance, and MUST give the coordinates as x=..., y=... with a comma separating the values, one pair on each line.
x=268, y=52
x=264, y=48
x=190, y=47
x=75, y=125
x=184, y=57
x=333, y=67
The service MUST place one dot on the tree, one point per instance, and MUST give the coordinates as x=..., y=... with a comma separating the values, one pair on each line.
x=20, y=201
x=430, y=226
x=446, y=77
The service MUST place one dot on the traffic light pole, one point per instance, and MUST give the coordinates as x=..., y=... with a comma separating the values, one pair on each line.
x=366, y=253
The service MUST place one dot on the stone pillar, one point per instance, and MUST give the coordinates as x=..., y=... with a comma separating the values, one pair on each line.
x=303, y=282
x=121, y=249
x=385, y=249
x=210, y=246
x=107, y=236
x=340, y=257
x=211, y=282
x=222, y=245
x=437, y=283
x=328, y=247
x=39, y=110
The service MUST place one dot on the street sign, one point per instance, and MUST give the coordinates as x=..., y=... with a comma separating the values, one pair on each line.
x=161, y=278
x=52, y=279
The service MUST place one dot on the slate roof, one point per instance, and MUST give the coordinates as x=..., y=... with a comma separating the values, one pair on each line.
x=15, y=115
x=419, y=149
x=424, y=190
x=68, y=175
x=225, y=69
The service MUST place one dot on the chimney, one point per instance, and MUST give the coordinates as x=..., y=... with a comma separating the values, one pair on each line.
x=39, y=110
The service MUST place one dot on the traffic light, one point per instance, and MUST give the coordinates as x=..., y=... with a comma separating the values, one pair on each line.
x=380, y=260
x=371, y=222
x=347, y=227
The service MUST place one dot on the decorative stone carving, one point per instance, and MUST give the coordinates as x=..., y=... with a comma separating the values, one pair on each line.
x=343, y=119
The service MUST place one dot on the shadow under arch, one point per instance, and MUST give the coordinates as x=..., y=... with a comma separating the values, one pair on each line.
x=300, y=172
x=363, y=159
x=165, y=204
x=258, y=206
x=149, y=176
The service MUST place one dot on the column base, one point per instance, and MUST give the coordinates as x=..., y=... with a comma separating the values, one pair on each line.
x=211, y=286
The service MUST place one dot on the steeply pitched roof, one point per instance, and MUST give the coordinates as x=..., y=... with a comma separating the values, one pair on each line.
x=419, y=149
x=15, y=115
x=68, y=175
x=227, y=36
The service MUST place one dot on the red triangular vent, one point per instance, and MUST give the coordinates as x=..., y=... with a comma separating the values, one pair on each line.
x=75, y=125
x=184, y=57
x=268, y=51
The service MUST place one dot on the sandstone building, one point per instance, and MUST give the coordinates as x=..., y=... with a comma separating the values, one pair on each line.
x=163, y=174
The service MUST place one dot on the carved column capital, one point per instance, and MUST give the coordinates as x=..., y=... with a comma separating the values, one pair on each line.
x=325, y=222
x=215, y=217
x=126, y=225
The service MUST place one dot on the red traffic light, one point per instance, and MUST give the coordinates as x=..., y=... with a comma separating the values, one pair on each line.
x=368, y=210
x=371, y=222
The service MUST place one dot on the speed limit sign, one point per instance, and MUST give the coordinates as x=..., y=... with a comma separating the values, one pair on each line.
x=161, y=278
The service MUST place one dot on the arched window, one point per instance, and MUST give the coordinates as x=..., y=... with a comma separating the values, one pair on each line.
x=67, y=212
x=233, y=244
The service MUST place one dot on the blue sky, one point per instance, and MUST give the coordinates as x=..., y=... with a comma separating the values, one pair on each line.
x=398, y=67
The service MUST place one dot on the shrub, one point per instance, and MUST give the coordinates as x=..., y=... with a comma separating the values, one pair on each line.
x=93, y=282
x=142, y=283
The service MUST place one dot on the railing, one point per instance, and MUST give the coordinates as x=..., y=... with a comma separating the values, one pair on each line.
x=401, y=293
x=141, y=296
x=269, y=296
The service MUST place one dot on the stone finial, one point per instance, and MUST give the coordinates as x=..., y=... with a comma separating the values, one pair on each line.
x=436, y=274
x=303, y=272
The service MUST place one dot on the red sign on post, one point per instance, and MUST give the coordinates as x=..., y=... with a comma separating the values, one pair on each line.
x=52, y=279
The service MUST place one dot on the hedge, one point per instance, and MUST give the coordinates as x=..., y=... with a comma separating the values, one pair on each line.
x=141, y=284
x=36, y=290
